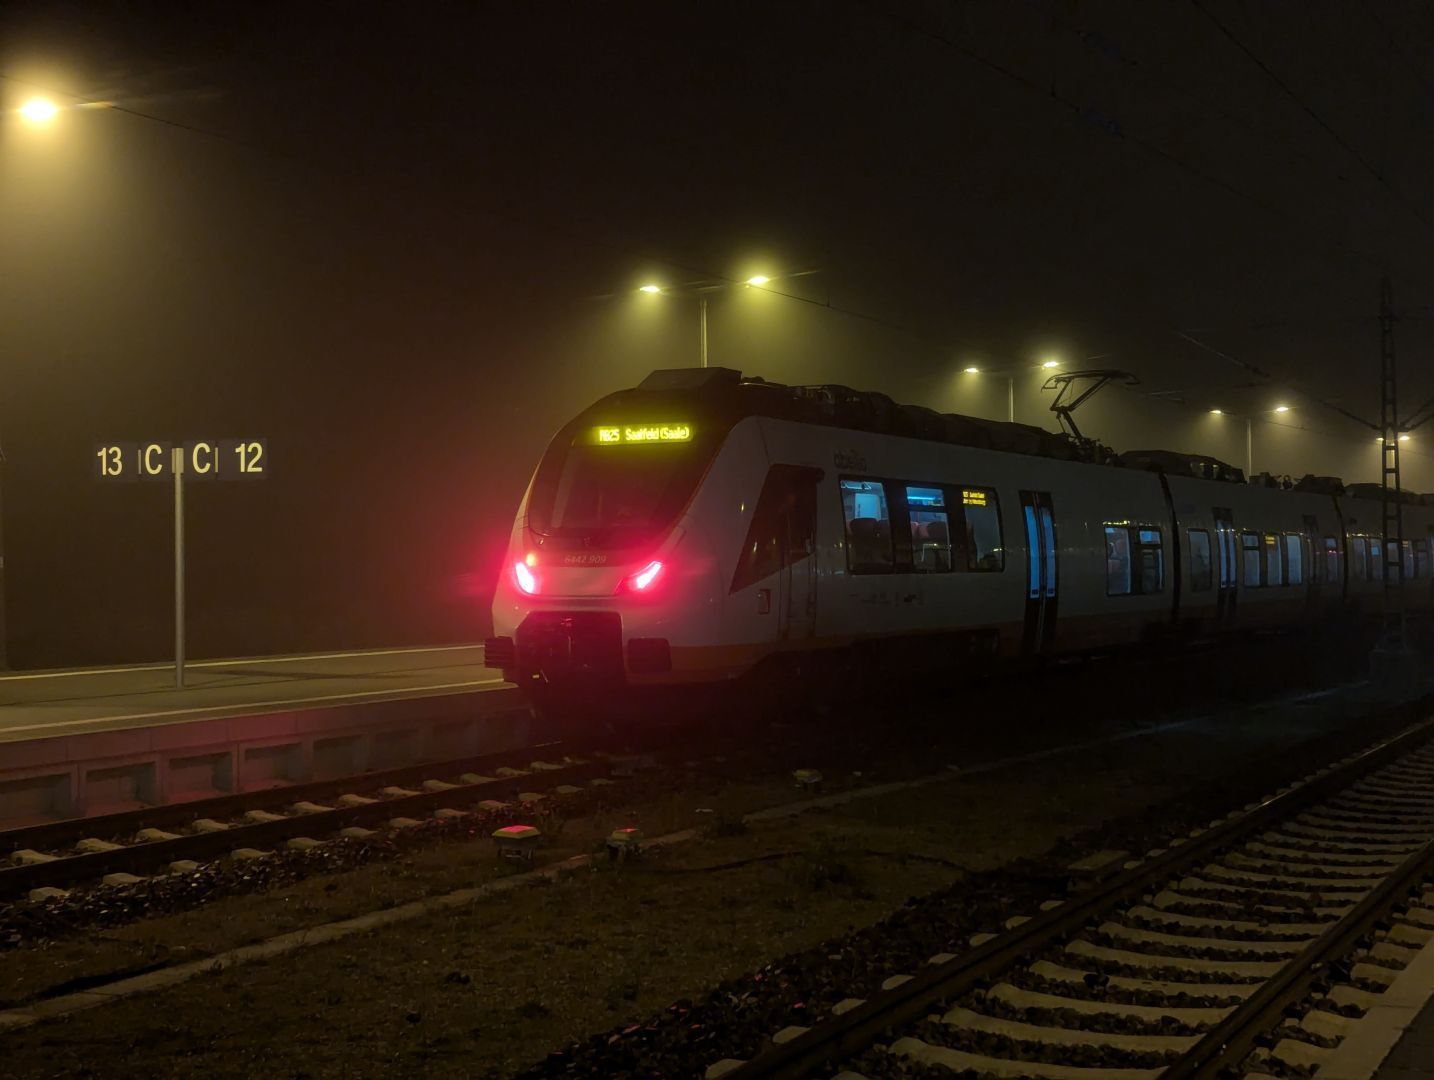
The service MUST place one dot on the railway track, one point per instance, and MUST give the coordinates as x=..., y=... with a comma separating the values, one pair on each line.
x=117, y=849
x=1248, y=947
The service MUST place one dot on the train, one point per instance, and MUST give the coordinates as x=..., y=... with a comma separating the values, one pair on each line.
x=704, y=528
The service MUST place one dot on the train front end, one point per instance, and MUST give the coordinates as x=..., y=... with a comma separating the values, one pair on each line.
x=607, y=587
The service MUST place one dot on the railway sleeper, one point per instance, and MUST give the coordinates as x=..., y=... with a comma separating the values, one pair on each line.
x=968, y=1020
x=1287, y=883
x=1322, y=839
x=1172, y=898
x=1292, y=930
x=1020, y=998
x=1365, y=830
x=1053, y=972
x=1223, y=970
x=1318, y=870
x=1243, y=889
x=1195, y=943
x=1343, y=857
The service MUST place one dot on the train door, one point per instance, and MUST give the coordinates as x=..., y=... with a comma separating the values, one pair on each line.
x=1225, y=544
x=1313, y=553
x=1038, y=513
x=797, y=581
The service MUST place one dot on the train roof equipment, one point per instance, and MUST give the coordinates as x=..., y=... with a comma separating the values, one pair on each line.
x=727, y=394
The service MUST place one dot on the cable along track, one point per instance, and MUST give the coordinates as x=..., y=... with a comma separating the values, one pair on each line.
x=1178, y=965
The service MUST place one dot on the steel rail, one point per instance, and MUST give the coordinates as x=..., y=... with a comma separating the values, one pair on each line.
x=147, y=855
x=848, y=1035
x=1233, y=1038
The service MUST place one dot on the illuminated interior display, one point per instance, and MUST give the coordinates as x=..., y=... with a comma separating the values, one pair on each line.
x=970, y=497
x=616, y=434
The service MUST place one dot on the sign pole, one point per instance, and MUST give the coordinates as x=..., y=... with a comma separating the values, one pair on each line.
x=178, y=464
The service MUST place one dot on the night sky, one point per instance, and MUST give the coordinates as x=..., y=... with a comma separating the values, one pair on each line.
x=402, y=243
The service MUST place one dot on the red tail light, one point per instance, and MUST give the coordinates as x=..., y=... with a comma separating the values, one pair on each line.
x=645, y=578
x=527, y=581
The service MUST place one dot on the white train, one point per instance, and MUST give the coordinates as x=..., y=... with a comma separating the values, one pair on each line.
x=703, y=526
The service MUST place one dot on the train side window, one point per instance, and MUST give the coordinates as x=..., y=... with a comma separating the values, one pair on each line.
x=1250, y=555
x=1117, y=560
x=1274, y=564
x=1421, y=558
x=868, y=526
x=1358, y=558
x=1376, y=559
x=1294, y=559
x=982, y=511
x=930, y=529
x=1407, y=551
x=1201, y=572
x=1331, y=559
x=1150, y=561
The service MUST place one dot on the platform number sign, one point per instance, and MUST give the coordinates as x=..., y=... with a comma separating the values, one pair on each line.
x=204, y=459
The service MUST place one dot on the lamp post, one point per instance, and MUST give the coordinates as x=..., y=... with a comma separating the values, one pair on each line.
x=35, y=113
x=1250, y=433
x=1010, y=377
x=701, y=292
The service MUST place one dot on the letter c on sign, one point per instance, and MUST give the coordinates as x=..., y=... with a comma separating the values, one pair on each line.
x=195, y=455
x=152, y=451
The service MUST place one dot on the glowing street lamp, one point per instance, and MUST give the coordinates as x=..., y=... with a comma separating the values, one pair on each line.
x=701, y=291
x=1010, y=377
x=1250, y=433
x=38, y=111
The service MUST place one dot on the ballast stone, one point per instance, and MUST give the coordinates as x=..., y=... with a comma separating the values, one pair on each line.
x=121, y=879
x=48, y=892
x=721, y=1068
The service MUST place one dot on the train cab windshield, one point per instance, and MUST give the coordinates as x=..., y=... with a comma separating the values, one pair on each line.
x=616, y=485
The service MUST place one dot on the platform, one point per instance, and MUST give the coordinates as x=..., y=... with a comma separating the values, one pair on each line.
x=93, y=740
x=45, y=704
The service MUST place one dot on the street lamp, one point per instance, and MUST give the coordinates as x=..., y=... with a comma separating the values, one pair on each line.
x=1010, y=377
x=1250, y=433
x=38, y=111
x=701, y=292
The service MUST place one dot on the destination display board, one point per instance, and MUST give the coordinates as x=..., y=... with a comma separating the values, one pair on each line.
x=619, y=434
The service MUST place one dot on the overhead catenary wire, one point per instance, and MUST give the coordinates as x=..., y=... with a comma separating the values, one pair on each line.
x=1309, y=111
x=1081, y=112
